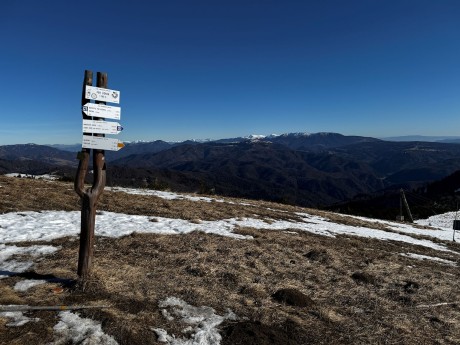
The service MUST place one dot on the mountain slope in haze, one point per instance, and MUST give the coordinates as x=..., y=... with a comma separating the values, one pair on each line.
x=315, y=173
x=138, y=148
x=424, y=138
x=295, y=141
x=404, y=162
x=70, y=148
x=434, y=198
x=317, y=141
x=25, y=166
x=39, y=153
x=264, y=170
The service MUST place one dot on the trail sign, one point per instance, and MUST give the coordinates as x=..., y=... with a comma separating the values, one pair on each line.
x=102, y=110
x=101, y=143
x=101, y=94
x=101, y=127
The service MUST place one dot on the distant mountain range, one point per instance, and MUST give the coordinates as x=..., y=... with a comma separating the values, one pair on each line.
x=299, y=168
x=272, y=137
x=446, y=139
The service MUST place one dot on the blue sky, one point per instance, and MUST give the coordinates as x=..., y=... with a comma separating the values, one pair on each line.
x=214, y=69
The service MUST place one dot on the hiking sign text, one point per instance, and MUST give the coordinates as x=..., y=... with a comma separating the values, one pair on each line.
x=101, y=94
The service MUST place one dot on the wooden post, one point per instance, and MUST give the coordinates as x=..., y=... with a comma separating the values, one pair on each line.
x=89, y=196
x=406, y=205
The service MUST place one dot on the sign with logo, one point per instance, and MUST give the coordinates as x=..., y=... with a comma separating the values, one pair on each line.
x=101, y=94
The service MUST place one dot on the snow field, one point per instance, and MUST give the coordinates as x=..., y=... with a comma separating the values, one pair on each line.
x=49, y=225
x=201, y=322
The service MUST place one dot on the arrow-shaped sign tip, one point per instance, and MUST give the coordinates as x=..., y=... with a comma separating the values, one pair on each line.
x=120, y=145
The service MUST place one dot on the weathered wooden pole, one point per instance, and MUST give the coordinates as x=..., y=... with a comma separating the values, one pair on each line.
x=89, y=196
x=406, y=205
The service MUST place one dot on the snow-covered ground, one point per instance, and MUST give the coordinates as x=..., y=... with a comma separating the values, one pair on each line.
x=9, y=264
x=49, y=225
x=72, y=329
x=426, y=257
x=17, y=318
x=441, y=226
x=48, y=177
x=161, y=194
x=441, y=221
x=202, y=322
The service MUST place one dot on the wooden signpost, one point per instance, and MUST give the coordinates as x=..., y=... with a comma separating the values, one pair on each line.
x=93, y=138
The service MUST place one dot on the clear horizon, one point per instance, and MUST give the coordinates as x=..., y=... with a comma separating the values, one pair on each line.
x=395, y=138
x=231, y=68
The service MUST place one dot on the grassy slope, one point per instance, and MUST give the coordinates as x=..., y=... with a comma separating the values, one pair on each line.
x=361, y=290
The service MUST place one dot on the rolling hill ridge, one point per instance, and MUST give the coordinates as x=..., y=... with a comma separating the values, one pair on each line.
x=317, y=169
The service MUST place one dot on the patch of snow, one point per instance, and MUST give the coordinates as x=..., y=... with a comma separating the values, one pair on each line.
x=161, y=194
x=323, y=224
x=440, y=231
x=48, y=225
x=255, y=137
x=162, y=335
x=171, y=195
x=72, y=329
x=297, y=134
x=426, y=257
x=25, y=285
x=38, y=226
x=33, y=251
x=48, y=177
x=10, y=266
x=441, y=221
x=202, y=321
x=17, y=318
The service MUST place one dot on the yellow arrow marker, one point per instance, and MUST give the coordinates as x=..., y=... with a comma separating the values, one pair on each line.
x=121, y=145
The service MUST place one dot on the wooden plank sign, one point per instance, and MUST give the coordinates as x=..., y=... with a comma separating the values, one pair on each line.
x=102, y=110
x=101, y=127
x=101, y=94
x=101, y=143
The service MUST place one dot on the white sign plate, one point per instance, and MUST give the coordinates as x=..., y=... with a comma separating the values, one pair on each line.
x=101, y=127
x=101, y=94
x=102, y=110
x=101, y=143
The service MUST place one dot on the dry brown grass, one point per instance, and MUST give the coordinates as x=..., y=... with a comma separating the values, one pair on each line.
x=360, y=291
x=36, y=195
